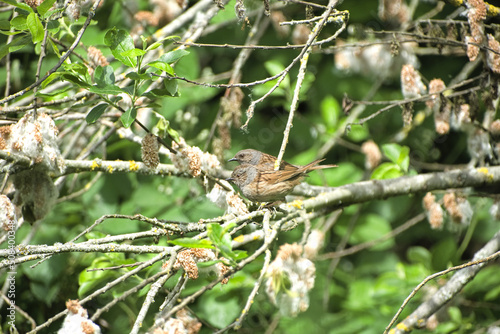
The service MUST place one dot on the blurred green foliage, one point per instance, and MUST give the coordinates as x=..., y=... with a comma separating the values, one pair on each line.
x=365, y=290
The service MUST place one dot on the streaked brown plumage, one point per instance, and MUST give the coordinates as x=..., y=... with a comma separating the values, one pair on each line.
x=263, y=160
x=260, y=183
x=266, y=161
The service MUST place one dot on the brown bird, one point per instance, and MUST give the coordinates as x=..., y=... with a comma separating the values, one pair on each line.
x=267, y=185
x=263, y=160
x=266, y=161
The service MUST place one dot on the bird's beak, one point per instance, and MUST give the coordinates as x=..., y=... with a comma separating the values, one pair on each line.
x=232, y=159
x=230, y=179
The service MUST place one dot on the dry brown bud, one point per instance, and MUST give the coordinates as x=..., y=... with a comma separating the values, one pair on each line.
x=146, y=18
x=429, y=200
x=4, y=136
x=495, y=127
x=188, y=258
x=457, y=207
x=436, y=85
x=493, y=55
x=434, y=211
x=373, y=156
x=411, y=82
x=96, y=57
x=393, y=11
x=150, y=148
x=33, y=3
x=277, y=17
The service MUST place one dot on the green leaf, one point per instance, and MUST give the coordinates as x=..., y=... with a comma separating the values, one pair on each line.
x=164, y=66
x=104, y=76
x=44, y=7
x=207, y=264
x=120, y=41
x=387, y=170
x=404, y=158
x=128, y=117
x=53, y=26
x=153, y=46
x=54, y=46
x=74, y=79
x=370, y=227
x=159, y=43
x=222, y=240
x=20, y=5
x=51, y=94
x=164, y=128
x=330, y=111
x=240, y=255
x=133, y=53
x=192, y=243
x=156, y=93
x=17, y=44
x=215, y=233
x=444, y=252
x=418, y=254
x=10, y=33
x=392, y=151
x=95, y=113
x=274, y=67
x=12, y=47
x=111, y=89
x=357, y=133
x=89, y=280
x=398, y=154
x=171, y=86
x=136, y=76
x=78, y=68
x=455, y=314
x=19, y=23
x=35, y=27
x=51, y=78
x=493, y=293
x=173, y=56
x=5, y=24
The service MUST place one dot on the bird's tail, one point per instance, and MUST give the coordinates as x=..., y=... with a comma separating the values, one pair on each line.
x=314, y=166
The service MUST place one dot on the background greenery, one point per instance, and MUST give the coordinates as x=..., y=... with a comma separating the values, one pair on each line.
x=360, y=293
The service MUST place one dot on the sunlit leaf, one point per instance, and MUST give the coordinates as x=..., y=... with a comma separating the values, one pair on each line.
x=44, y=7
x=104, y=76
x=128, y=117
x=120, y=41
x=164, y=128
x=159, y=43
x=171, y=86
x=133, y=53
x=35, y=27
x=173, y=56
x=161, y=65
x=111, y=89
x=330, y=112
x=19, y=22
x=136, y=76
x=20, y=5
x=387, y=170
x=398, y=154
x=192, y=243
x=74, y=79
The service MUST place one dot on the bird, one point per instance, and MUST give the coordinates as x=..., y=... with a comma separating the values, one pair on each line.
x=266, y=161
x=263, y=160
x=260, y=183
